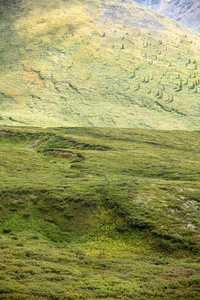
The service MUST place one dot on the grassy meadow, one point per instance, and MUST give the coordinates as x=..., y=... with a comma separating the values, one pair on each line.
x=99, y=213
x=96, y=63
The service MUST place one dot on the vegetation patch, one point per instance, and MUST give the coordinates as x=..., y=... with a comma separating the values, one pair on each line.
x=81, y=223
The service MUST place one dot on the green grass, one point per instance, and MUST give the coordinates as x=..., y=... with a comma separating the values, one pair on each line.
x=78, y=64
x=99, y=213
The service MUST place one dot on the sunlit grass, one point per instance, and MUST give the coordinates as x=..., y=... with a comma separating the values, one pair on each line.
x=76, y=64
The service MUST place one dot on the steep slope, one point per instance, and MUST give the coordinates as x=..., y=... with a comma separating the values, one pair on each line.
x=96, y=63
x=185, y=11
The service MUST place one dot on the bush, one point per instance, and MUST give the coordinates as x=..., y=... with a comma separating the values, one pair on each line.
x=7, y=230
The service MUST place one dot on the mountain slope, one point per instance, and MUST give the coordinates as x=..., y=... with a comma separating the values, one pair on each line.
x=96, y=63
x=185, y=11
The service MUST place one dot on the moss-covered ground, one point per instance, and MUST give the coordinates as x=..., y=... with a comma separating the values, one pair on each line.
x=99, y=213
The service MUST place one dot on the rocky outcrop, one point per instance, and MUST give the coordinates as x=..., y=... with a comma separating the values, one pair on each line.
x=185, y=11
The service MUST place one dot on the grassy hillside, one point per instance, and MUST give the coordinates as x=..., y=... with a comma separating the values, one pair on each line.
x=96, y=63
x=95, y=213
